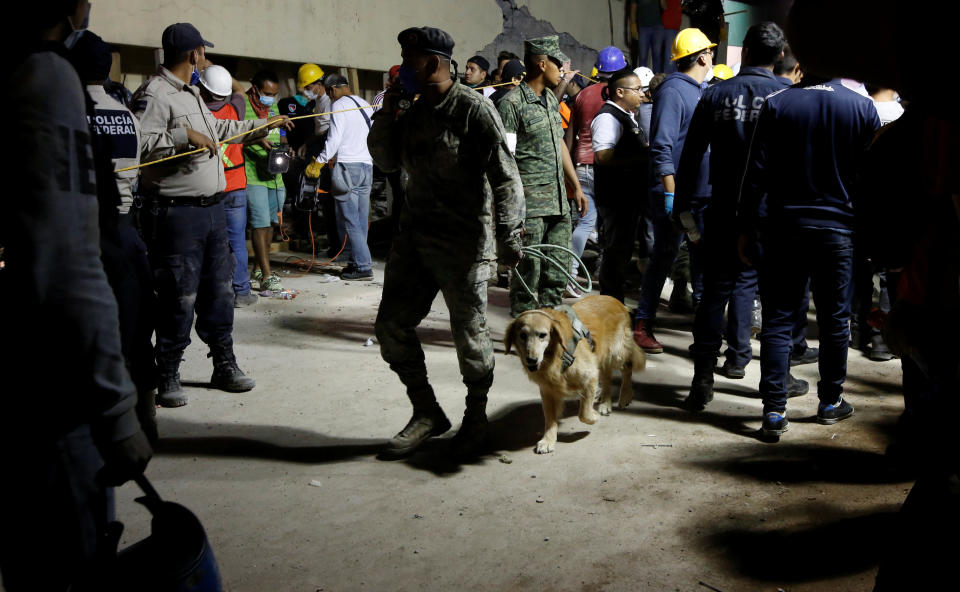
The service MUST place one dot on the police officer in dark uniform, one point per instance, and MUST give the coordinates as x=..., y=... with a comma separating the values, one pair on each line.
x=808, y=147
x=68, y=429
x=724, y=119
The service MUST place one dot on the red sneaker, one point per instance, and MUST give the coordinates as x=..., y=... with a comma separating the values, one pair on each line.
x=643, y=337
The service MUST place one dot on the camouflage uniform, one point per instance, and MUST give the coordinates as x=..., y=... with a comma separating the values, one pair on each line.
x=536, y=122
x=457, y=158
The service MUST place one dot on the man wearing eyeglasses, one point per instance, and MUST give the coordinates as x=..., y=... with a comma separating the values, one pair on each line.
x=534, y=134
x=620, y=149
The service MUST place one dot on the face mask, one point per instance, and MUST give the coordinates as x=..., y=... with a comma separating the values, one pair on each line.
x=408, y=80
x=265, y=101
x=310, y=94
x=709, y=75
x=77, y=33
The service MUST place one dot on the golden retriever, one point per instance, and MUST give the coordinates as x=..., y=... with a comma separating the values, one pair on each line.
x=539, y=336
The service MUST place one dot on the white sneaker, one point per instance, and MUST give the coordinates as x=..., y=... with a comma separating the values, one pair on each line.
x=574, y=291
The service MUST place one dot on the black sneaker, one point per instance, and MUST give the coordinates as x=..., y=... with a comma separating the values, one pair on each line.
x=358, y=276
x=831, y=414
x=796, y=386
x=732, y=371
x=774, y=423
x=809, y=356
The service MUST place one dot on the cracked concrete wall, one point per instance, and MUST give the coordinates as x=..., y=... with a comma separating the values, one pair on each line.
x=362, y=33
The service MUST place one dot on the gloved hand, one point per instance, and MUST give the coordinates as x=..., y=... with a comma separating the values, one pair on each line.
x=125, y=460
x=509, y=248
x=313, y=169
x=668, y=202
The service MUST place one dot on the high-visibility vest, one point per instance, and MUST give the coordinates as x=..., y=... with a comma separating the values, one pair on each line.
x=564, y=115
x=232, y=154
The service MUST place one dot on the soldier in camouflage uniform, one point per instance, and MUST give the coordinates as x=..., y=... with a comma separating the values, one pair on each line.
x=451, y=144
x=531, y=118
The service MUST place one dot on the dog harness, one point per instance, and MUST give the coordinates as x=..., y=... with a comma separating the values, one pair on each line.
x=580, y=331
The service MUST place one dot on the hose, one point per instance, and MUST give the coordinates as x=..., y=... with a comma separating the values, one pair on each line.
x=536, y=251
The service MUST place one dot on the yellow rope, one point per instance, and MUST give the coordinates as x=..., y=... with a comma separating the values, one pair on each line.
x=260, y=127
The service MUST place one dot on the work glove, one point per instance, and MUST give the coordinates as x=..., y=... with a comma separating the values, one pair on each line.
x=125, y=460
x=313, y=169
x=509, y=248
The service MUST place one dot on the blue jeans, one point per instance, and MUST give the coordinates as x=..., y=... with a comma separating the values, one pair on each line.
x=727, y=284
x=235, y=208
x=663, y=38
x=649, y=46
x=792, y=256
x=666, y=242
x=353, y=212
x=588, y=221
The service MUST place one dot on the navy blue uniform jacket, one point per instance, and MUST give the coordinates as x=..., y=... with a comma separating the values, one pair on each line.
x=724, y=121
x=807, y=151
x=673, y=108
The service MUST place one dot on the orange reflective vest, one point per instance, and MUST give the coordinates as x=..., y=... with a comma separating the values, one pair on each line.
x=232, y=154
x=564, y=115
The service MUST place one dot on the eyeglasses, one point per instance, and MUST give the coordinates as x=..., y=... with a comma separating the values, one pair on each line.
x=638, y=89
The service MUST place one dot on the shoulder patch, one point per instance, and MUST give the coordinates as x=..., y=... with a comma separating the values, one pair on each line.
x=292, y=107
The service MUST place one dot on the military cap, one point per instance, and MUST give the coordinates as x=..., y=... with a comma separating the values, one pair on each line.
x=428, y=39
x=548, y=46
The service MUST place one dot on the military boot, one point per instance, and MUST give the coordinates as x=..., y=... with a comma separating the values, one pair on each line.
x=428, y=421
x=471, y=438
x=169, y=391
x=227, y=376
x=701, y=389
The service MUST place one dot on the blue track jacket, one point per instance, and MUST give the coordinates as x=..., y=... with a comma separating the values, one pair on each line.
x=808, y=148
x=673, y=108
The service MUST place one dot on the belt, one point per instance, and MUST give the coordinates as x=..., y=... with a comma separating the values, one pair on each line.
x=581, y=164
x=197, y=202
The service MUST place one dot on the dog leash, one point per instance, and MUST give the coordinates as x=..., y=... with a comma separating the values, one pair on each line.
x=537, y=251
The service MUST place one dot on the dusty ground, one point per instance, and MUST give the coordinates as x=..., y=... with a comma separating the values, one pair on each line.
x=286, y=481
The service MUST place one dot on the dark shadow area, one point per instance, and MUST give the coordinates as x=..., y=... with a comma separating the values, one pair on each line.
x=893, y=388
x=806, y=463
x=670, y=397
x=355, y=331
x=825, y=544
x=515, y=428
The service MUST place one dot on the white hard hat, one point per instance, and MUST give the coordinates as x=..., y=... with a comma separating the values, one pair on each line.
x=645, y=75
x=217, y=80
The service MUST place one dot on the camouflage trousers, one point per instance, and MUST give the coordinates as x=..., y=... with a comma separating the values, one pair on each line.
x=542, y=277
x=412, y=280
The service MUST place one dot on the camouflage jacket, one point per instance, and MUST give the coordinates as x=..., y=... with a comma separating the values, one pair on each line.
x=459, y=165
x=539, y=148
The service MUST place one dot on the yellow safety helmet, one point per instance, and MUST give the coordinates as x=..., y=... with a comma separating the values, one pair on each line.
x=688, y=42
x=722, y=71
x=308, y=74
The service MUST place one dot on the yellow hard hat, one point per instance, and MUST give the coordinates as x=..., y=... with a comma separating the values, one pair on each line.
x=308, y=74
x=722, y=71
x=688, y=42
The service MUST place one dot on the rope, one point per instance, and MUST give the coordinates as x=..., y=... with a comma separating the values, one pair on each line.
x=536, y=251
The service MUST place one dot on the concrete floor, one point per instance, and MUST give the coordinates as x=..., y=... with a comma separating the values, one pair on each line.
x=286, y=481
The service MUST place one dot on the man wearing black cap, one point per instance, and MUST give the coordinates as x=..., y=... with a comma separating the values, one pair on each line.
x=512, y=72
x=475, y=75
x=452, y=145
x=184, y=222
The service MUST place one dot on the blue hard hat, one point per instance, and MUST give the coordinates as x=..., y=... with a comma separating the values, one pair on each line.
x=610, y=59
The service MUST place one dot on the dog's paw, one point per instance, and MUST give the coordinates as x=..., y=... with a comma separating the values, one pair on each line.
x=624, y=401
x=544, y=447
x=589, y=417
x=605, y=408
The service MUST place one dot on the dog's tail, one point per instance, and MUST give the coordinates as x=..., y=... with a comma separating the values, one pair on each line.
x=637, y=359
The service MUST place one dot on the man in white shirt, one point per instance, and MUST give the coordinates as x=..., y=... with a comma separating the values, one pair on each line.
x=352, y=174
x=620, y=150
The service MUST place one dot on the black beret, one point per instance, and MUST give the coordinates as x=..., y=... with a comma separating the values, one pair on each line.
x=428, y=39
x=512, y=69
x=480, y=61
x=92, y=57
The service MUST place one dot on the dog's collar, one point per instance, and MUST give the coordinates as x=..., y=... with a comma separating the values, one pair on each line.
x=580, y=331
